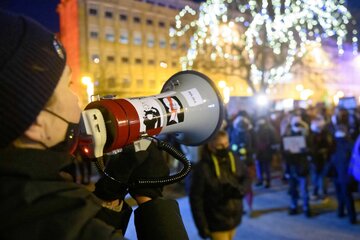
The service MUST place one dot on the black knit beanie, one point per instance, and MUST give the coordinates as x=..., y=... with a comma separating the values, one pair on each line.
x=31, y=64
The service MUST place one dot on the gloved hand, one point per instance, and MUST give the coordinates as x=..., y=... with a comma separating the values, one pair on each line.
x=154, y=166
x=119, y=167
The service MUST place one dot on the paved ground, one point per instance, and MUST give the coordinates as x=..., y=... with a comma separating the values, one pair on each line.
x=270, y=220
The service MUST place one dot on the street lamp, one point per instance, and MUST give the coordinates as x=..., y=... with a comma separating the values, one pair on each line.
x=86, y=80
x=225, y=91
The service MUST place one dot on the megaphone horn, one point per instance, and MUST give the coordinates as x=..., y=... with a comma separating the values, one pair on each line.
x=189, y=107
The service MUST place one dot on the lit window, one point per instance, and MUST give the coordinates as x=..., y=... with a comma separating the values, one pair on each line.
x=124, y=37
x=110, y=37
x=108, y=14
x=162, y=43
x=125, y=83
x=95, y=58
x=137, y=38
x=173, y=44
x=139, y=82
x=163, y=64
x=152, y=82
x=150, y=40
x=93, y=11
x=112, y=82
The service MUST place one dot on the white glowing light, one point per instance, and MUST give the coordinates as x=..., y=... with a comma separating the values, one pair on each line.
x=163, y=65
x=222, y=84
x=305, y=94
x=226, y=94
x=299, y=87
x=262, y=100
x=86, y=80
x=96, y=60
x=340, y=94
x=222, y=27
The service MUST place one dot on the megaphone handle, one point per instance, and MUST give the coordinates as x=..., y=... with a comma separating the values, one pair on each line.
x=161, y=181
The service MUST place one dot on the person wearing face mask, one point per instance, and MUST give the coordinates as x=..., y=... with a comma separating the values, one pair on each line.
x=264, y=146
x=39, y=129
x=342, y=144
x=298, y=165
x=219, y=183
x=241, y=142
x=320, y=146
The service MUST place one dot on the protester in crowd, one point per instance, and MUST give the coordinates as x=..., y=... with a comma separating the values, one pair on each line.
x=39, y=126
x=320, y=146
x=241, y=142
x=342, y=145
x=296, y=152
x=264, y=146
x=219, y=184
x=277, y=161
x=354, y=168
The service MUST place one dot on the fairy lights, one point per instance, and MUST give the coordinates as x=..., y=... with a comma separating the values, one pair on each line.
x=242, y=29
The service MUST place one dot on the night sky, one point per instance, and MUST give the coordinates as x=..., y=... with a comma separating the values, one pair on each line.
x=44, y=11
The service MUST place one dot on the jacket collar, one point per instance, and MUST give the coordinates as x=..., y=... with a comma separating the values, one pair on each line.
x=32, y=163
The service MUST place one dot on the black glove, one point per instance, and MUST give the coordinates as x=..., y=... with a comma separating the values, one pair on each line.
x=118, y=167
x=154, y=166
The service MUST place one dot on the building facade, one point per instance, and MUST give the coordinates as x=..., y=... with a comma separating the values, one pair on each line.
x=122, y=46
x=124, y=49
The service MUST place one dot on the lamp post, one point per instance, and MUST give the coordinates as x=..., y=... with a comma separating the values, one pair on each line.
x=225, y=90
x=87, y=81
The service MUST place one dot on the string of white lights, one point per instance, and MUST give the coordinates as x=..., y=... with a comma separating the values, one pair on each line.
x=285, y=27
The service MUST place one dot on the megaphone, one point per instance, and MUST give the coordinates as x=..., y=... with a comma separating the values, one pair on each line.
x=189, y=107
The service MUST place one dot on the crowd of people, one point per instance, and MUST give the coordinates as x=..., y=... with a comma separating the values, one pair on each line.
x=39, y=125
x=314, y=147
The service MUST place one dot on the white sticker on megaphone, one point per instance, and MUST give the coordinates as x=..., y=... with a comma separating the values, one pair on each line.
x=192, y=97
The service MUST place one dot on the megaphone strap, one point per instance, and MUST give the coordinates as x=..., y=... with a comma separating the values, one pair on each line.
x=217, y=167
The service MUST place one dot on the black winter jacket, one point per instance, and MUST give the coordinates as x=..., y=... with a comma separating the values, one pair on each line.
x=37, y=203
x=216, y=202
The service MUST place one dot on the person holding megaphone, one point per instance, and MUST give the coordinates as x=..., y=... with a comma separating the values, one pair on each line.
x=39, y=126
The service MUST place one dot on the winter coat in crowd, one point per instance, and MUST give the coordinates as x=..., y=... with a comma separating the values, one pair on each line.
x=216, y=193
x=37, y=202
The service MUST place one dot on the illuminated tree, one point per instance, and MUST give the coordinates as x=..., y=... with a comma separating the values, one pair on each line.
x=262, y=39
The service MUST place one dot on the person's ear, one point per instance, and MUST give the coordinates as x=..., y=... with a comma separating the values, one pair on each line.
x=37, y=130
